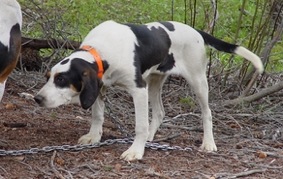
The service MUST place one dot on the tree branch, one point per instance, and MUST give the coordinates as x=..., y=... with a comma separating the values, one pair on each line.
x=37, y=44
x=257, y=96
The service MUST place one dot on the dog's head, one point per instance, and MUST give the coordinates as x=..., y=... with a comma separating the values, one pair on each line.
x=73, y=80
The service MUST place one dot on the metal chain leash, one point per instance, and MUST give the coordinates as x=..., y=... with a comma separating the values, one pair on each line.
x=128, y=140
x=46, y=149
x=114, y=120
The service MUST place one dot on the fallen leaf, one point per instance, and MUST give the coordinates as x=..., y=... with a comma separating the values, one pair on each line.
x=10, y=106
x=60, y=161
x=261, y=154
x=118, y=167
x=19, y=158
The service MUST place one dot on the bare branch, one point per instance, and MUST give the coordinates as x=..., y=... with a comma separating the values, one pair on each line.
x=37, y=44
x=240, y=174
x=257, y=96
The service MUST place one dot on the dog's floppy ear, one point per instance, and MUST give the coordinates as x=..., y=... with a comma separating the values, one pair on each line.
x=90, y=89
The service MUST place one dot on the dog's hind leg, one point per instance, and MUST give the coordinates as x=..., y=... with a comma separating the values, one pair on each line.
x=198, y=82
x=155, y=83
x=193, y=69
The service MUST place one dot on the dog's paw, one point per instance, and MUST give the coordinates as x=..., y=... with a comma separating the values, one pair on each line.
x=89, y=139
x=208, y=147
x=132, y=154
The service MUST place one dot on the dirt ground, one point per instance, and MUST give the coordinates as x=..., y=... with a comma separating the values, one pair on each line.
x=249, y=139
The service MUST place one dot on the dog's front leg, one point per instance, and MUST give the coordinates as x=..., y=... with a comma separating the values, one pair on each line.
x=95, y=132
x=136, y=151
x=2, y=89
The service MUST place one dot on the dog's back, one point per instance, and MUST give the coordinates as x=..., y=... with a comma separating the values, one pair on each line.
x=10, y=39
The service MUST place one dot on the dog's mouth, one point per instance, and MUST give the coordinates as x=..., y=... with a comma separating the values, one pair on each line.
x=42, y=102
x=49, y=103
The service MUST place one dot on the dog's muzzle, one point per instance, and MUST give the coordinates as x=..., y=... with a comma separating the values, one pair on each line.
x=39, y=99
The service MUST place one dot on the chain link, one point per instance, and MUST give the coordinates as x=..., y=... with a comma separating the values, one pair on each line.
x=46, y=149
x=114, y=120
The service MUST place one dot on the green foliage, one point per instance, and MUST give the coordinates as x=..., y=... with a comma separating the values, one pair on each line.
x=276, y=60
x=73, y=19
x=53, y=115
x=188, y=102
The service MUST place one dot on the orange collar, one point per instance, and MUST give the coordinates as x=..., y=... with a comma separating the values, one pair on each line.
x=97, y=58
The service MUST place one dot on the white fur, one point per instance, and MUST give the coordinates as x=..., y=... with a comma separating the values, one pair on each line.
x=114, y=42
x=2, y=89
x=10, y=14
x=243, y=52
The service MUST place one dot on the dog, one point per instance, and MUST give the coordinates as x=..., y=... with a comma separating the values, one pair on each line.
x=10, y=39
x=137, y=58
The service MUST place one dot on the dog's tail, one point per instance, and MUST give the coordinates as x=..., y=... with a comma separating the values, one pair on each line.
x=235, y=49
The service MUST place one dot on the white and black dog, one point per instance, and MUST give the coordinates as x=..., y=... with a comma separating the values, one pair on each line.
x=138, y=58
x=10, y=39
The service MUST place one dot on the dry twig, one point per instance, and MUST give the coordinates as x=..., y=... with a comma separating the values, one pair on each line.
x=56, y=172
x=240, y=174
x=167, y=137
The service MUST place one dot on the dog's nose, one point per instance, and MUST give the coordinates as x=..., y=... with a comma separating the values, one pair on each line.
x=38, y=99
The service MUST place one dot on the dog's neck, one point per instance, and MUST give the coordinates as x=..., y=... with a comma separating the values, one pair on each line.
x=97, y=59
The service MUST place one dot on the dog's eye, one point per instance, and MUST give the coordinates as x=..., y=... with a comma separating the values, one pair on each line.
x=60, y=81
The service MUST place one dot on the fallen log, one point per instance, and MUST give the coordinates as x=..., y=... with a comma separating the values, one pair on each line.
x=247, y=99
x=37, y=44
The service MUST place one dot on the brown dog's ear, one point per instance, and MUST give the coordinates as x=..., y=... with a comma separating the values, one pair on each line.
x=90, y=89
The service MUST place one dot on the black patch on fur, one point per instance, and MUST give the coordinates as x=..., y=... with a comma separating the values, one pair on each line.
x=8, y=56
x=168, y=25
x=218, y=44
x=74, y=75
x=64, y=61
x=82, y=76
x=4, y=56
x=167, y=64
x=152, y=49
